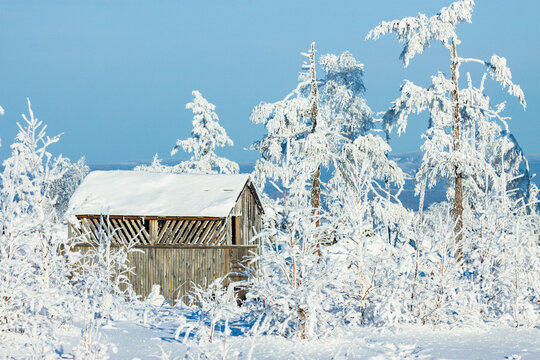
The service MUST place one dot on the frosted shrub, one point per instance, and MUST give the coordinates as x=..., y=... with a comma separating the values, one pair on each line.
x=504, y=258
x=100, y=277
x=205, y=330
x=34, y=288
x=102, y=271
x=213, y=307
x=442, y=292
x=291, y=290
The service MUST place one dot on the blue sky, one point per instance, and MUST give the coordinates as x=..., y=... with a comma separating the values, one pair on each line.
x=114, y=75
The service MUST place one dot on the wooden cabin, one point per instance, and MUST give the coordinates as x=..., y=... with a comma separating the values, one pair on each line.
x=191, y=229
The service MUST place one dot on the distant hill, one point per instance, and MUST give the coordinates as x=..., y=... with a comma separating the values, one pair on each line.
x=409, y=162
x=534, y=167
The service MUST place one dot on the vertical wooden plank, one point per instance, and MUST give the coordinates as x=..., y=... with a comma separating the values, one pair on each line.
x=153, y=231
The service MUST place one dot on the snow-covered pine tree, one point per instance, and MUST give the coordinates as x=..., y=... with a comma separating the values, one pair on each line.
x=206, y=136
x=417, y=33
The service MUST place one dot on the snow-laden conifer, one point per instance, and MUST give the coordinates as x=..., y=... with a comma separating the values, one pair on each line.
x=207, y=135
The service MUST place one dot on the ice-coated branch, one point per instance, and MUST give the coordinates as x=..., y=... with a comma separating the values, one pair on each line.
x=413, y=99
x=501, y=73
x=416, y=33
x=467, y=60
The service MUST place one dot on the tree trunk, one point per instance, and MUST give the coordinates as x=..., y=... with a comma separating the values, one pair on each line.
x=458, y=196
x=316, y=177
x=421, y=202
x=316, y=194
x=387, y=188
x=314, y=112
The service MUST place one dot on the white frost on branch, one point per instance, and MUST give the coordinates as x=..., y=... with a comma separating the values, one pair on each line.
x=417, y=32
x=501, y=73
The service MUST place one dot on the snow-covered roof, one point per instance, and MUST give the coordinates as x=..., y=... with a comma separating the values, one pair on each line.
x=141, y=193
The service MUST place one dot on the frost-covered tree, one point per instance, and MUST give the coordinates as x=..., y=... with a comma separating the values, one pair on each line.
x=315, y=121
x=44, y=285
x=206, y=136
x=322, y=123
x=61, y=189
x=25, y=183
x=339, y=132
x=33, y=281
x=157, y=166
x=443, y=101
x=484, y=141
x=503, y=257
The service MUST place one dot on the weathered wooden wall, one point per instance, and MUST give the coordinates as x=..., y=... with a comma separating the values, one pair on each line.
x=248, y=215
x=176, y=269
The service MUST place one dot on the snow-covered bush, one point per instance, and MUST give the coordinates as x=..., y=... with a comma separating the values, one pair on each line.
x=504, y=258
x=156, y=166
x=101, y=272
x=100, y=278
x=293, y=289
x=213, y=307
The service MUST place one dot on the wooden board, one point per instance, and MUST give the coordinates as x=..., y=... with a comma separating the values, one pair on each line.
x=177, y=269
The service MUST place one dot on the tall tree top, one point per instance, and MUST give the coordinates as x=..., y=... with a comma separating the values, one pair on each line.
x=417, y=32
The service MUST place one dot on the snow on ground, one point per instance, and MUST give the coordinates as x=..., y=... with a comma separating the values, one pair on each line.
x=134, y=340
